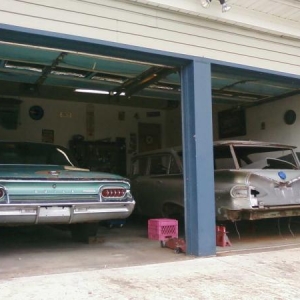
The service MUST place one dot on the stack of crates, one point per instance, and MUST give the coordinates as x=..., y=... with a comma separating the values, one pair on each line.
x=162, y=229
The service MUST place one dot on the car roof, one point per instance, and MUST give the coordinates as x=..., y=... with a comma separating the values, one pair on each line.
x=252, y=143
x=222, y=143
x=30, y=143
x=159, y=151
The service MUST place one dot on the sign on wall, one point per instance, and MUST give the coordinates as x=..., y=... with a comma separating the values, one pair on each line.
x=232, y=123
x=48, y=136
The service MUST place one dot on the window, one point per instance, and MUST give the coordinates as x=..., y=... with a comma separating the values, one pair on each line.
x=159, y=164
x=174, y=169
x=139, y=166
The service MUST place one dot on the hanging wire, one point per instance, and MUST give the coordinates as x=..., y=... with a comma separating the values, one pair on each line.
x=278, y=225
x=237, y=231
x=289, y=226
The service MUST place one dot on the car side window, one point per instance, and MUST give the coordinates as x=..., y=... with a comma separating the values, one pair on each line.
x=159, y=164
x=174, y=169
x=139, y=166
x=224, y=163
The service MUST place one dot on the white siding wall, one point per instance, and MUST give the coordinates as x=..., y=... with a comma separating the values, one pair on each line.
x=128, y=22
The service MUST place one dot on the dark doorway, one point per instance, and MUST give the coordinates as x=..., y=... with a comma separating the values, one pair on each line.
x=149, y=137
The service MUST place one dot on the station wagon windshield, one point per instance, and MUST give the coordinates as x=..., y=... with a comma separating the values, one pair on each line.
x=254, y=157
x=32, y=153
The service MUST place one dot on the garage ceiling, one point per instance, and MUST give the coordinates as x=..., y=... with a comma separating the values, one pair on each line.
x=42, y=72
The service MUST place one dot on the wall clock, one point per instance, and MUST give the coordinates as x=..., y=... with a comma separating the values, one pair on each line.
x=36, y=112
x=289, y=117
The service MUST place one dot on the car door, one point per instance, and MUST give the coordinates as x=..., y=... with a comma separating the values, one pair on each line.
x=157, y=186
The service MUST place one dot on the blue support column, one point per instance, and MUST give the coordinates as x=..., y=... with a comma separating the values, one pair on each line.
x=198, y=159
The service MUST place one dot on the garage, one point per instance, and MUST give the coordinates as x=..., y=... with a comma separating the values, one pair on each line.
x=43, y=62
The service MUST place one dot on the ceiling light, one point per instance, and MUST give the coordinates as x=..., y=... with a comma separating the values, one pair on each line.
x=205, y=3
x=121, y=94
x=161, y=87
x=72, y=74
x=113, y=93
x=23, y=66
x=92, y=91
x=108, y=79
x=249, y=97
x=225, y=6
x=102, y=92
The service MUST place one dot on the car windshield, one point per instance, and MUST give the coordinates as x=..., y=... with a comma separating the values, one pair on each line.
x=254, y=157
x=34, y=153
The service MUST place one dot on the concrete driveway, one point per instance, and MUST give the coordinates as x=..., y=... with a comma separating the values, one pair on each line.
x=44, y=263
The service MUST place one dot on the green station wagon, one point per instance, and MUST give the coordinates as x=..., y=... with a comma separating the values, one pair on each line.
x=41, y=184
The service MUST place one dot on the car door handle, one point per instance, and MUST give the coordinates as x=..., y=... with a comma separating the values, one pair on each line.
x=159, y=181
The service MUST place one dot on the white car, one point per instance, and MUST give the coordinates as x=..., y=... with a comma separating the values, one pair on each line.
x=253, y=180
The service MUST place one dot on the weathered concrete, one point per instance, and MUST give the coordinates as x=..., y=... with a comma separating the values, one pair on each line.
x=267, y=275
x=43, y=263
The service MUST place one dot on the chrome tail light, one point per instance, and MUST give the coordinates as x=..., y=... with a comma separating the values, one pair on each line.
x=113, y=193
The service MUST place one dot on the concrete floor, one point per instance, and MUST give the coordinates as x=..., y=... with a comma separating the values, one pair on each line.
x=262, y=235
x=41, y=250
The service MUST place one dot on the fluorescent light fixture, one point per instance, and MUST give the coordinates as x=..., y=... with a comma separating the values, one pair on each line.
x=92, y=91
x=122, y=94
x=61, y=73
x=96, y=92
x=108, y=79
x=23, y=67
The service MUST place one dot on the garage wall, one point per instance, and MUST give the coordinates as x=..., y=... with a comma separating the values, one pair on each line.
x=174, y=125
x=275, y=128
x=57, y=118
x=173, y=128
x=128, y=22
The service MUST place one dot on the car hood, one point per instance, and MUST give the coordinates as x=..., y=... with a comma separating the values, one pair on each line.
x=52, y=172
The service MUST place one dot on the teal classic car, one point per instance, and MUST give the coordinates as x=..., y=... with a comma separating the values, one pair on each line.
x=41, y=184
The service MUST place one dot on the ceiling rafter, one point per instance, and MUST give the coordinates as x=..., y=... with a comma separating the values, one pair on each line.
x=147, y=78
x=35, y=68
x=47, y=70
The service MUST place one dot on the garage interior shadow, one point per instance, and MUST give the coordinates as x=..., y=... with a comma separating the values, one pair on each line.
x=40, y=250
x=261, y=235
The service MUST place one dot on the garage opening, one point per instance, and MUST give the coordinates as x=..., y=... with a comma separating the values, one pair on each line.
x=106, y=103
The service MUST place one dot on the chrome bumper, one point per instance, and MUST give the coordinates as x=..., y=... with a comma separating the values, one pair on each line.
x=263, y=213
x=14, y=214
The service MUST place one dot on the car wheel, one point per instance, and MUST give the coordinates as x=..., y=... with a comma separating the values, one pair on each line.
x=82, y=231
x=173, y=211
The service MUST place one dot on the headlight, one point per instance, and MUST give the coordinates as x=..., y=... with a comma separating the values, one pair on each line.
x=240, y=191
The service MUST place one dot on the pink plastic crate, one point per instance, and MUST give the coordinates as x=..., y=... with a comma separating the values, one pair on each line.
x=162, y=229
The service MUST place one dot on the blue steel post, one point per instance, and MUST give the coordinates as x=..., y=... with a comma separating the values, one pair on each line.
x=198, y=159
